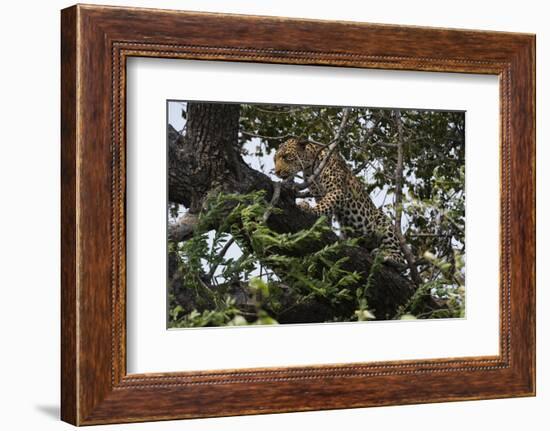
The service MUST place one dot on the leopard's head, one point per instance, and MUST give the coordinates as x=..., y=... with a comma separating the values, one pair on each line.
x=291, y=157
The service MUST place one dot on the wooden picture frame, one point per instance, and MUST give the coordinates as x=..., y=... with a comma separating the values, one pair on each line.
x=95, y=43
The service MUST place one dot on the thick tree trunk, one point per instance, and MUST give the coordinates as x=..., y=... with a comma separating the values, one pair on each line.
x=208, y=159
x=205, y=158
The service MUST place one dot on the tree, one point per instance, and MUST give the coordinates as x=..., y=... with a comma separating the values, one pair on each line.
x=208, y=176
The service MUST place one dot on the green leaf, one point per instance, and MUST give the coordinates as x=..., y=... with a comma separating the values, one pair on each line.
x=256, y=284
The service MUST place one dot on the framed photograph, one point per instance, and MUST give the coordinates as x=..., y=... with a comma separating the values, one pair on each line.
x=329, y=214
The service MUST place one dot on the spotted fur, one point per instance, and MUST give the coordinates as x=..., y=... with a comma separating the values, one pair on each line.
x=341, y=194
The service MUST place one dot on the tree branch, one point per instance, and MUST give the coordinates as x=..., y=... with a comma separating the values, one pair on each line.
x=274, y=199
x=183, y=229
x=399, y=198
x=331, y=149
x=256, y=135
x=221, y=254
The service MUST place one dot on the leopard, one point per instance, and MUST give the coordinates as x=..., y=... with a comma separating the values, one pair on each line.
x=340, y=194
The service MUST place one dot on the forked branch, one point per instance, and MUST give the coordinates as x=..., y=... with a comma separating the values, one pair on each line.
x=331, y=149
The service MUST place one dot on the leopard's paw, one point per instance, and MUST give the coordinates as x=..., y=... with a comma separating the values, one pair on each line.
x=391, y=258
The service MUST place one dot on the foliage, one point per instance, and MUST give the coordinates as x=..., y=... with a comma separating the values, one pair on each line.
x=273, y=267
